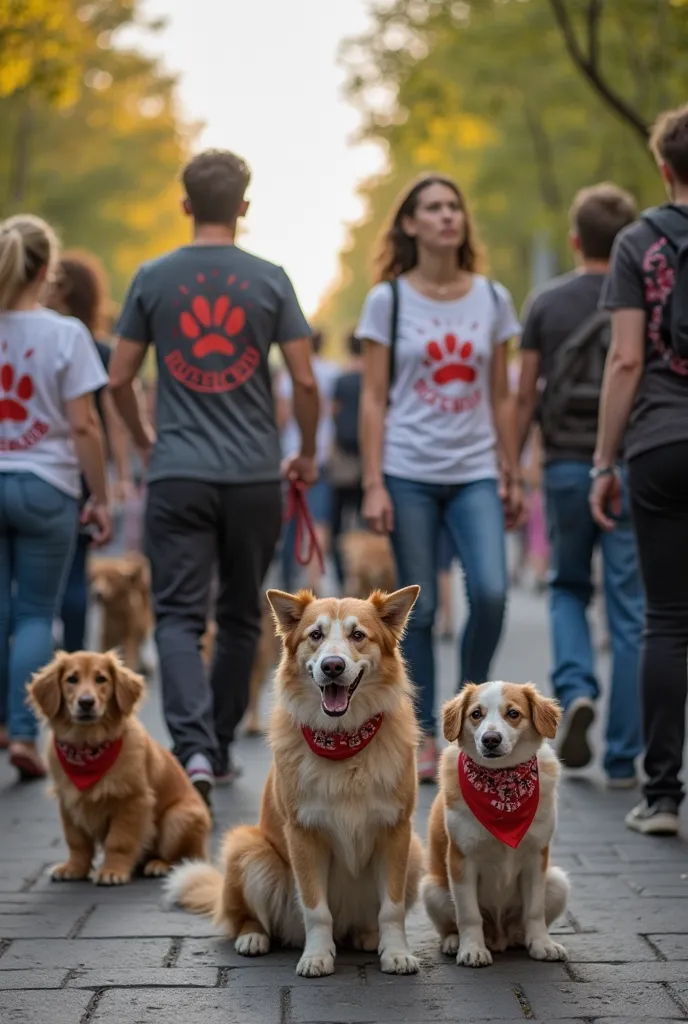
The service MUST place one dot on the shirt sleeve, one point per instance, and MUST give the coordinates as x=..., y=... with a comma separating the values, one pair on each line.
x=291, y=323
x=134, y=322
x=506, y=324
x=375, y=323
x=83, y=371
x=531, y=340
x=624, y=287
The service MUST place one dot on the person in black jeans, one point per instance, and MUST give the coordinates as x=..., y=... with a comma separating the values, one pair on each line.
x=214, y=499
x=80, y=289
x=646, y=387
x=345, y=460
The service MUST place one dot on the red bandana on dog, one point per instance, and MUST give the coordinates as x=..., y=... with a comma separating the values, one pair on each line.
x=504, y=800
x=337, y=746
x=84, y=766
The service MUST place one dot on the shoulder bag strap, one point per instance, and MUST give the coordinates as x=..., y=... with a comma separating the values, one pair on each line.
x=393, y=332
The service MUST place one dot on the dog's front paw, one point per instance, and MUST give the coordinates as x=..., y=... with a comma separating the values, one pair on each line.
x=473, y=956
x=315, y=966
x=252, y=944
x=68, y=872
x=111, y=876
x=156, y=869
x=450, y=945
x=546, y=949
x=399, y=963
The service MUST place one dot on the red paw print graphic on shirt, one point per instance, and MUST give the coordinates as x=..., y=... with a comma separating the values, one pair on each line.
x=12, y=402
x=212, y=327
x=449, y=360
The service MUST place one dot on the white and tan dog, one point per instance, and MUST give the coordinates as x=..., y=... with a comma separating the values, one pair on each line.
x=334, y=858
x=490, y=884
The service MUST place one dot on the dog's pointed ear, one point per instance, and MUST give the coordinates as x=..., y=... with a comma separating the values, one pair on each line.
x=545, y=712
x=44, y=691
x=128, y=686
x=288, y=609
x=454, y=712
x=394, y=609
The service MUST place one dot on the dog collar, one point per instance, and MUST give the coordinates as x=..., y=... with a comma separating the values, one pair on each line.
x=338, y=746
x=85, y=766
x=504, y=800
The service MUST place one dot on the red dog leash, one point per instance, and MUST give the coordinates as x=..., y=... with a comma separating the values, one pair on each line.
x=297, y=506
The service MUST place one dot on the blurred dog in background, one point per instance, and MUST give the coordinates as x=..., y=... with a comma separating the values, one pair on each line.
x=368, y=564
x=121, y=587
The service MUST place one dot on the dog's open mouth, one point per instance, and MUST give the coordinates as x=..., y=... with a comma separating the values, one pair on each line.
x=336, y=697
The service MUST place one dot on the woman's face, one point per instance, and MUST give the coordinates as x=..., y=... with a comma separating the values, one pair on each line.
x=439, y=221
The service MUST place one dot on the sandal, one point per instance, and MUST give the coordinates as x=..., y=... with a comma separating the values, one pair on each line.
x=28, y=762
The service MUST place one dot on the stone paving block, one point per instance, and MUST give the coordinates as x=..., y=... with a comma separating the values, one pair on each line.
x=32, y=979
x=286, y=977
x=122, y=953
x=639, y=1000
x=220, y=953
x=15, y=875
x=510, y=968
x=673, y=947
x=43, y=1007
x=114, y=921
x=664, y=971
x=145, y=977
x=322, y=1002
x=160, y=1006
x=641, y=916
x=32, y=924
x=608, y=949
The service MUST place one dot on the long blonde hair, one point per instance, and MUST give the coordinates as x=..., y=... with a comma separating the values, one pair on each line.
x=27, y=245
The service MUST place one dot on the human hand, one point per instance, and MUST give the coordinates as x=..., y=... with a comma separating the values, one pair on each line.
x=301, y=468
x=97, y=515
x=605, y=500
x=378, y=510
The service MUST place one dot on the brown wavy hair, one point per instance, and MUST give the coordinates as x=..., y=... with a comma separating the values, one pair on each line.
x=82, y=286
x=399, y=252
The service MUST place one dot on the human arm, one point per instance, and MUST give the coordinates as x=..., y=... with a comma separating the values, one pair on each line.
x=526, y=396
x=622, y=374
x=87, y=435
x=306, y=408
x=378, y=510
x=125, y=364
x=503, y=415
x=118, y=447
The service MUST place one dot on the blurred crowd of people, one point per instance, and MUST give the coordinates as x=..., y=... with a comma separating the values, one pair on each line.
x=439, y=430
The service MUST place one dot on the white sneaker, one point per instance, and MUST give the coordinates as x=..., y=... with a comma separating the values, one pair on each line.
x=573, y=748
x=657, y=819
x=200, y=772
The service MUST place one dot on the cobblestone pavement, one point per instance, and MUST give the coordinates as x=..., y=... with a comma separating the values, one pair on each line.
x=75, y=954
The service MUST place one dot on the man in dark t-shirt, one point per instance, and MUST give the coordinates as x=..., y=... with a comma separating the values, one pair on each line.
x=553, y=315
x=212, y=311
x=645, y=399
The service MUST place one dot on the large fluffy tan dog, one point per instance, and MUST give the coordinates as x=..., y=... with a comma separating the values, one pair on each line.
x=490, y=884
x=334, y=857
x=115, y=785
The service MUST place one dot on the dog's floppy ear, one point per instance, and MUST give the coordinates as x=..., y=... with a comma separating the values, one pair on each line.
x=128, y=686
x=545, y=712
x=454, y=712
x=44, y=691
x=288, y=609
x=394, y=609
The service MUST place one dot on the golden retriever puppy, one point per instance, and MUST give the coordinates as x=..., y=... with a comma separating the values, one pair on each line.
x=368, y=563
x=334, y=857
x=490, y=884
x=121, y=586
x=117, y=788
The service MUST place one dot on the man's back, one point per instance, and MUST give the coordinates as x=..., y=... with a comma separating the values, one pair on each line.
x=212, y=312
x=553, y=313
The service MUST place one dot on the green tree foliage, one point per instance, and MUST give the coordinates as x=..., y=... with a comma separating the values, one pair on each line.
x=487, y=92
x=98, y=152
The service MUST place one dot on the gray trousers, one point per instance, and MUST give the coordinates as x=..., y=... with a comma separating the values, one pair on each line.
x=194, y=532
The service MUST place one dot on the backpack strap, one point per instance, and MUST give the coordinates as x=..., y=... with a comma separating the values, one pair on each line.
x=666, y=221
x=587, y=329
x=393, y=332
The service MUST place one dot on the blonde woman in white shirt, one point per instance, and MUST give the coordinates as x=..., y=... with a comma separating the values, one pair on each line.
x=430, y=434
x=49, y=428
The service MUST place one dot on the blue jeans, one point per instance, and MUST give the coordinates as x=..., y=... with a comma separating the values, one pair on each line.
x=319, y=500
x=472, y=515
x=75, y=597
x=37, y=535
x=573, y=536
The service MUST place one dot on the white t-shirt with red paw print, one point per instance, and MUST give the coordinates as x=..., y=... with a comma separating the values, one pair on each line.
x=46, y=360
x=439, y=426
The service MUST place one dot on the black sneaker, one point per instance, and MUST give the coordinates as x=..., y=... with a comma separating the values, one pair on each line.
x=657, y=819
x=573, y=748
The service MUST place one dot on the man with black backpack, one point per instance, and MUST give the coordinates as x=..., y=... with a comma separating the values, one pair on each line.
x=564, y=347
x=646, y=389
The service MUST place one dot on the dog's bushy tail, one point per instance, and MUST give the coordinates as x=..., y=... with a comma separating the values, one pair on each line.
x=196, y=886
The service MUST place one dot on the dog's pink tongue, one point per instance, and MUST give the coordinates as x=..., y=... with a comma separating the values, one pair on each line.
x=335, y=698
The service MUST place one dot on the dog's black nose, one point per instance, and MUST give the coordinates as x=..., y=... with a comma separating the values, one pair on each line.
x=491, y=740
x=86, y=703
x=332, y=667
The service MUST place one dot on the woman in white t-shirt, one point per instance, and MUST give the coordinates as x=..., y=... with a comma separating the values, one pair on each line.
x=429, y=436
x=49, y=369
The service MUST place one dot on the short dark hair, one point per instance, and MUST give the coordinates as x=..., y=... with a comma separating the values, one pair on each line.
x=215, y=182
x=598, y=214
x=669, y=141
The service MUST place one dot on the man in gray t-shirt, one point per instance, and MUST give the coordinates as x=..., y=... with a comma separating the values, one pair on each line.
x=212, y=311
